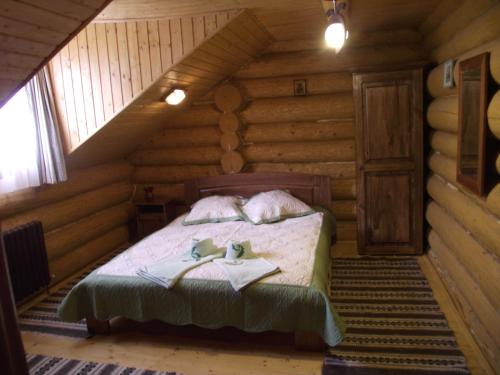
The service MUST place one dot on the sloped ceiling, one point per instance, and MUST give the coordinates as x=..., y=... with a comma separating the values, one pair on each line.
x=107, y=65
x=212, y=61
x=286, y=19
x=32, y=31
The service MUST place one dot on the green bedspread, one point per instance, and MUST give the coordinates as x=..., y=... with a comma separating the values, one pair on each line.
x=214, y=303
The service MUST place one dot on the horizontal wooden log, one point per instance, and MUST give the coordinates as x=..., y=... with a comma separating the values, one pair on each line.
x=185, y=137
x=333, y=169
x=202, y=155
x=87, y=253
x=346, y=231
x=481, y=333
x=493, y=200
x=445, y=143
x=195, y=116
x=344, y=210
x=484, y=226
x=65, y=239
x=325, y=61
x=305, y=108
x=443, y=166
x=356, y=39
x=62, y=213
x=480, y=263
x=79, y=181
x=481, y=30
x=343, y=188
x=455, y=19
x=167, y=191
x=295, y=152
x=446, y=168
x=316, y=84
x=174, y=173
x=443, y=114
x=298, y=131
x=344, y=249
x=494, y=115
x=435, y=83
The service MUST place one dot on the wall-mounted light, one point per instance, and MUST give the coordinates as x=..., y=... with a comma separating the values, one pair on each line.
x=336, y=33
x=176, y=97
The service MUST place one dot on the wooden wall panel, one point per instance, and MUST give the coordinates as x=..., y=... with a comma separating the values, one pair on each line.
x=465, y=238
x=83, y=218
x=32, y=31
x=281, y=132
x=108, y=65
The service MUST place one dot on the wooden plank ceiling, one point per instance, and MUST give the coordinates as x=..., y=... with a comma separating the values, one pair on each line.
x=32, y=31
x=286, y=19
x=107, y=65
x=212, y=61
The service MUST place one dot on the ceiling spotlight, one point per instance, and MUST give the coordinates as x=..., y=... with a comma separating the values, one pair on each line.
x=176, y=97
x=336, y=33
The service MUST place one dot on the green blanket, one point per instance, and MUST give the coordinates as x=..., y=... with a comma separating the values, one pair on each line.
x=214, y=303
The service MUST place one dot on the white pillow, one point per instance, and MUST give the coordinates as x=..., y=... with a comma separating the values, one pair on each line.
x=273, y=206
x=214, y=209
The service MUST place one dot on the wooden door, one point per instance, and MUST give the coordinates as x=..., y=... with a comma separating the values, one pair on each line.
x=389, y=161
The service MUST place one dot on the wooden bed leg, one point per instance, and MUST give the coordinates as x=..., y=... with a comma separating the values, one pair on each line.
x=309, y=341
x=98, y=327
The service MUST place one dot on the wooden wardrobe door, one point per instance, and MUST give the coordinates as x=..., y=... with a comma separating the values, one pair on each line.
x=389, y=151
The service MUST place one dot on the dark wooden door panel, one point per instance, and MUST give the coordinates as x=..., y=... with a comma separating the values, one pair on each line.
x=389, y=161
x=389, y=201
x=387, y=121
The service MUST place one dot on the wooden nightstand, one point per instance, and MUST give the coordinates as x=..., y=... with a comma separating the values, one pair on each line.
x=153, y=215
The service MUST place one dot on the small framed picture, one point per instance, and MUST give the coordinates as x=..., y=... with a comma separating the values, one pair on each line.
x=448, y=79
x=299, y=87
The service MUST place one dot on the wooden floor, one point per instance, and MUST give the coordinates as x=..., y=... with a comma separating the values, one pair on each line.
x=206, y=352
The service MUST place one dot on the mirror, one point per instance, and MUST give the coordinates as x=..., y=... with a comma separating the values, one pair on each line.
x=473, y=96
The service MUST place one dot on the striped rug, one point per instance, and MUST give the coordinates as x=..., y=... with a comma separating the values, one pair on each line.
x=394, y=324
x=41, y=365
x=43, y=316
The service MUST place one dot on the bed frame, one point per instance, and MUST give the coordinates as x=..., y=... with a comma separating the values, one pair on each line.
x=311, y=189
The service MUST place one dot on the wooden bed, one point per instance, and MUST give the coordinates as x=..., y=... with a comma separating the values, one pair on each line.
x=311, y=189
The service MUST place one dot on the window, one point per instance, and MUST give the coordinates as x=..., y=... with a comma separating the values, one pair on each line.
x=18, y=145
x=30, y=147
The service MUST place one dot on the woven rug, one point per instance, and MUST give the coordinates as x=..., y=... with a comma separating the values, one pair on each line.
x=43, y=317
x=394, y=324
x=41, y=365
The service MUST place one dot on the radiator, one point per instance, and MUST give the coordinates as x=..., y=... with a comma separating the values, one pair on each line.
x=27, y=259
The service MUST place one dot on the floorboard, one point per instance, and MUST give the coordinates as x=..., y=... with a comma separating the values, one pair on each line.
x=198, y=351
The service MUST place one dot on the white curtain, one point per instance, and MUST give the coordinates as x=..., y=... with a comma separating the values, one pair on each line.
x=30, y=147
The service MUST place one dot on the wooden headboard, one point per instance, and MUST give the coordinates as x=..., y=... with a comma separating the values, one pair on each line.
x=312, y=189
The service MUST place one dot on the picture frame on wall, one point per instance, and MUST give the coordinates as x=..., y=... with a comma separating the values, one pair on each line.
x=448, y=77
x=299, y=87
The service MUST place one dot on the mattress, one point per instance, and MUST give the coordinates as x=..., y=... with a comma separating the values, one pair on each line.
x=293, y=300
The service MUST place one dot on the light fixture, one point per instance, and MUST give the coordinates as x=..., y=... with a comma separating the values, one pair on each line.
x=176, y=97
x=336, y=33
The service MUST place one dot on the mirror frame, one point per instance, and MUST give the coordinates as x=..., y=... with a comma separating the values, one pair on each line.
x=478, y=184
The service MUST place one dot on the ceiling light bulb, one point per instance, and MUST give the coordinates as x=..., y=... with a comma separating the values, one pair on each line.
x=336, y=35
x=176, y=97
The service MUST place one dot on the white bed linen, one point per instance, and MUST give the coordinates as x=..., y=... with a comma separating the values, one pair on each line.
x=289, y=244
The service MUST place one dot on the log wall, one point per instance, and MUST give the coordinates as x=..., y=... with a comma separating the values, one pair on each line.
x=83, y=218
x=281, y=132
x=464, y=238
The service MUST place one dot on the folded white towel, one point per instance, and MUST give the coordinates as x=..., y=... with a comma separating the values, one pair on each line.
x=242, y=272
x=167, y=272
